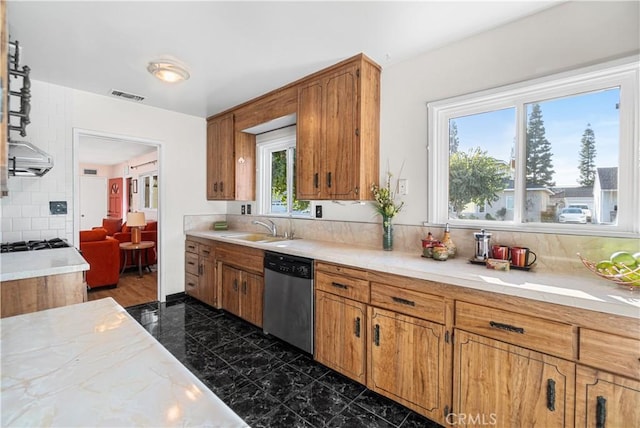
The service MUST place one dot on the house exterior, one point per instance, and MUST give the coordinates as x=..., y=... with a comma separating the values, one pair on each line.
x=605, y=195
x=566, y=196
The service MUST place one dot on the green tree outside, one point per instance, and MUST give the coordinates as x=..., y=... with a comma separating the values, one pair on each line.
x=454, y=142
x=475, y=177
x=539, y=165
x=587, y=165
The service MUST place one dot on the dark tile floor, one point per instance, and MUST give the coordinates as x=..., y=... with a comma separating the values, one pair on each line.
x=265, y=381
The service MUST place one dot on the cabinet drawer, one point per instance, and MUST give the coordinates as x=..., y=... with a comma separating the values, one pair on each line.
x=247, y=258
x=529, y=332
x=425, y=306
x=205, y=250
x=610, y=352
x=190, y=282
x=191, y=263
x=351, y=288
x=191, y=246
x=341, y=270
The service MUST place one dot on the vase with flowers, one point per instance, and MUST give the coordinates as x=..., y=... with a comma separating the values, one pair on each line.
x=385, y=204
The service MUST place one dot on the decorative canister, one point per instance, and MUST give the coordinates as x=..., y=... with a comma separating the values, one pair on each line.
x=440, y=253
x=448, y=242
x=427, y=245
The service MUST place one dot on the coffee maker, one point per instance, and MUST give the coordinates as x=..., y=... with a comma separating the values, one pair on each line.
x=483, y=246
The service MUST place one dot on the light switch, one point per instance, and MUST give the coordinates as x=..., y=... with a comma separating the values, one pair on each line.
x=403, y=186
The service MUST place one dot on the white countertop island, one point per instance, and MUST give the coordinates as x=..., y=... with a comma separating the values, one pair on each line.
x=92, y=364
x=31, y=264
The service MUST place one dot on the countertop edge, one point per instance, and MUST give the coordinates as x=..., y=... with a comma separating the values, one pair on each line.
x=583, y=293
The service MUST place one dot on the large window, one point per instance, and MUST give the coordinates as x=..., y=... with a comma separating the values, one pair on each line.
x=559, y=153
x=277, y=160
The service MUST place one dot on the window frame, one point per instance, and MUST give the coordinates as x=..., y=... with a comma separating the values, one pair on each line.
x=142, y=191
x=273, y=141
x=622, y=73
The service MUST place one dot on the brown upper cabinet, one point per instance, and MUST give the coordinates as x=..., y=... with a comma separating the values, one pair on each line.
x=220, y=158
x=338, y=132
x=338, y=122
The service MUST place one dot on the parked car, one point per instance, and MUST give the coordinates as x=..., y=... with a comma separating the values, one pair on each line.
x=585, y=210
x=572, y=215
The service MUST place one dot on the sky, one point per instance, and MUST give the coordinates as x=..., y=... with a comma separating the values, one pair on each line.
x=565, y=120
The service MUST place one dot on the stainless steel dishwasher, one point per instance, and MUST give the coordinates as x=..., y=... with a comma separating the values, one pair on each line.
x=288, y=299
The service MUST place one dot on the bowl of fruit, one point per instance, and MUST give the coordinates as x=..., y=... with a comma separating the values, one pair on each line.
x=622, y=267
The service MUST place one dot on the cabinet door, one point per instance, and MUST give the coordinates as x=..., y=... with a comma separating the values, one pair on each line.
x=340, y=153
x=606, y=400
x=506, y=385
x=309, y=136
x=251, y=298
x=407, y=361
x=231, y=289
x=340, y=334
x=207, y=281
x=220, y=158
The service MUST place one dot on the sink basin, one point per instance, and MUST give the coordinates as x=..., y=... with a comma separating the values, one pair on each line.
x=256, y=237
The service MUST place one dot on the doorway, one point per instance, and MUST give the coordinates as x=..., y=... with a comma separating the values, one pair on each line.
x=115, y=160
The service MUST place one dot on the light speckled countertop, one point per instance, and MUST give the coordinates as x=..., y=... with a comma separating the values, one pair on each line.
x=31, y=264
x=92, y=364
x=585, y=292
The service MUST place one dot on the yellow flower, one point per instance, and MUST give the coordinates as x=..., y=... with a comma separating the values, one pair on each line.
x=384, y=203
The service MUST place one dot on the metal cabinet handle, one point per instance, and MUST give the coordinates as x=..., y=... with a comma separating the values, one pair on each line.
x=329, y=179
x=357, y=327
x=315, y=180
x=191, y=263
x=207, y=252
x=235, y=285
x=244, y=287
x=376, y=335
x=403, y=301
x=506, y=327
x=601, y=411
x=551, y=394
x=338, y=285
x=221, y=186
x=215, y=186
x=200, y=269
x=191, y=284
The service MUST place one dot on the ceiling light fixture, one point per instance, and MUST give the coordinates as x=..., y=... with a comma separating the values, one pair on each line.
x=168, y=71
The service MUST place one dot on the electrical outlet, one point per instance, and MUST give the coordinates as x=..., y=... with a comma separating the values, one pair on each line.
x=242, y=209
x=318, y=211
x=248, y=208
x=403, y=186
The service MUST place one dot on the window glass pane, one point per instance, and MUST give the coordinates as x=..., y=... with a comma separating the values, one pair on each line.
x=482, y=165
x=572, y=152
x=279, y=182
x=299, y=207
x=154, y=194
x=146, y=189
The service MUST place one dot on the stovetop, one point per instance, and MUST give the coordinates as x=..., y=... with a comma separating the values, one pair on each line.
x=42, y=244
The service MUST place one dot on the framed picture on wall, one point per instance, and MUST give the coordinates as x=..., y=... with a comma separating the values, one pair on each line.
x=134, y=186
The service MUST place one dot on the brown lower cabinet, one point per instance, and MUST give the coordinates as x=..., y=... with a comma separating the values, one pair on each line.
x=498, y=384
x=606, y=400
x=340, y=335
x=242, y=293
x=407, y=361
x=23, y=296
x=200, y=272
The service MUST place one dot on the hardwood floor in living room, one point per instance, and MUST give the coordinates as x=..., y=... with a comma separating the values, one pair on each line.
x=131, y=290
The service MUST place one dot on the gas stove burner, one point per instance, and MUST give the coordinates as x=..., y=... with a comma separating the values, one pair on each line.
x=34, y=245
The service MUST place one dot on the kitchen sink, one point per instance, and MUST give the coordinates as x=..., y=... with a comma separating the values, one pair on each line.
x=257, y=237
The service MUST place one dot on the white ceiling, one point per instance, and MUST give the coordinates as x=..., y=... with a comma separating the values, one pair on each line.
x=109, y=151
x=234, y=51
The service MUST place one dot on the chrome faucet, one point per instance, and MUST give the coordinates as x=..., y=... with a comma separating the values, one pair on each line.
x=272, y=229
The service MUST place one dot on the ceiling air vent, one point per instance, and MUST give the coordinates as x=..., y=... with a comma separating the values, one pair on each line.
x=90, y=171
x=127, y=95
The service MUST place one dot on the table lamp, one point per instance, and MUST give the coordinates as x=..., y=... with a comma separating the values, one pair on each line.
x=135, y=221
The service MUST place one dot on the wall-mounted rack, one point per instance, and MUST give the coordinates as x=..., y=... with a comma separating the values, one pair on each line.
x=24, y=93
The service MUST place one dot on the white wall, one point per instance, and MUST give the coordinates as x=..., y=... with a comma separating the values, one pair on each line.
x=56, y=112
x=567, y=36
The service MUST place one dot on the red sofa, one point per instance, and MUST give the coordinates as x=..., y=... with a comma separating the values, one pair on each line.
x=122, y=233
x=102, y=252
